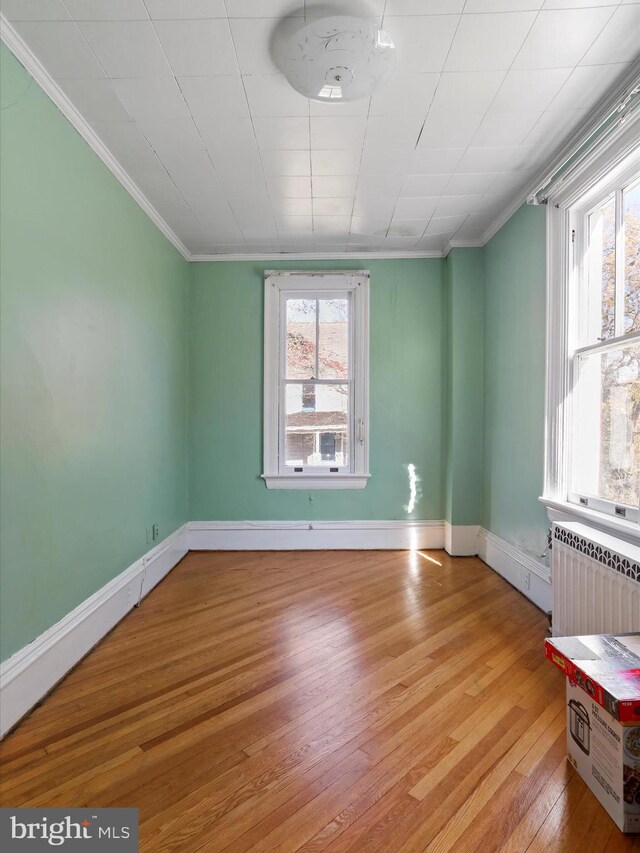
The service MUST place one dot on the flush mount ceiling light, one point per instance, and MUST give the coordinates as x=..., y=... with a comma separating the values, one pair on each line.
x=338, y=59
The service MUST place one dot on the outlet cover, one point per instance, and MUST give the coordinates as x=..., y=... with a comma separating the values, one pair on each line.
x=156, y=532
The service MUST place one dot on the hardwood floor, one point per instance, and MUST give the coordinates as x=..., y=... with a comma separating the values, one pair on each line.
x=362, y=701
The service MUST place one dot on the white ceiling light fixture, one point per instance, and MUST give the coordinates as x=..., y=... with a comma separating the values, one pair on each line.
x=338, y=59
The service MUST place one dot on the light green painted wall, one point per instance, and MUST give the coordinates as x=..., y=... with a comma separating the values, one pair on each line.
x=514, y=380
x=94, y=369
x=464, y=299
x=226, y=377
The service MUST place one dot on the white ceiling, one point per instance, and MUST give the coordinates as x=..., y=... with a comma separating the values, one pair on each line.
x=186, y=96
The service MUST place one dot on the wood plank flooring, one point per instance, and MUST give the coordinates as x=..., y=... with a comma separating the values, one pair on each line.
x=336, y=701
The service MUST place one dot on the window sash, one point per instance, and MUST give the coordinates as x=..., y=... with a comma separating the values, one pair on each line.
x=578, y=307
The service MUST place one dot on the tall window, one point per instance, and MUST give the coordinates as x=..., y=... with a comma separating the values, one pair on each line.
x=604, y=451
x=316, y=380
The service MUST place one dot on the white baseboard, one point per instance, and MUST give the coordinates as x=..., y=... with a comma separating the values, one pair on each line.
x=28, y=675
x=314, y=535
x=461, y=540
x=527, y=574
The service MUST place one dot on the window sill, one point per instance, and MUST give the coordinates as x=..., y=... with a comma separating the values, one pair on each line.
x=316, y=481
x=558, y=510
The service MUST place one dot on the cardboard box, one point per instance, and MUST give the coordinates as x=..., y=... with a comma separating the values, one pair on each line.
x=607, y=756
x=603, y=718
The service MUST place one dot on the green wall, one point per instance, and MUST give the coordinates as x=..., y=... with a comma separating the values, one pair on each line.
x=464, y=299
x=226, y=378
x=94, y=369
x=514, y=263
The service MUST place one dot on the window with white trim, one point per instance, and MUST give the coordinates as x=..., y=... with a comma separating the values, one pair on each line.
x=316, y=380
x=604, y=348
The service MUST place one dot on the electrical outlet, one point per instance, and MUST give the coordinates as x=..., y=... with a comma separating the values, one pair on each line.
x=526, y=578
x=149, y=535
x=156, y=531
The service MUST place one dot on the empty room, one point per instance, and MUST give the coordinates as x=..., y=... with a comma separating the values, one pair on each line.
x=320, y=426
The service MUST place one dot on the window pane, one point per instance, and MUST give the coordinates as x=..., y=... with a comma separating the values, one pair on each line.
x=333, y=338
x=631, y=204
x=601, y=302
x=318, y=435
x=607, y=449
x=301, y=338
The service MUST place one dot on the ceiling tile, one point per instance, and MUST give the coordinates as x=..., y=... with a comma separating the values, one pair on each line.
x=477, y=46
x=128, y=145
x=407, y=227
x=95, y=99
x=279, y=132
x=291, y=206
x=264, y=8
x=289, y=186
x=171, y=134
x=175, y=10
x=344, y=132
x=198, y=48
x=370, y=226
x=348, y=108
x=504, y=129
x=34, y=10
x=619, y=40
x=194, y=175
x=374, y=205
x=586, y=85
x=379, y=184
x=386, y=161
x=424, y=185
x=502, y=5
x=560, y=38
x=403, y=244
x=401, y=132
x=449, y=129
x=335, y=161
x=579, y=4
x=215, y=97
x=294, y=225
x=334, y=186
x=550, y=133
x=434, y=161
x=529, y=91
x=510, y=182
x=405, y=94
x=253, y=39
x=468, y=184
x=419, y=7
x=271, y=95
x=495, y=159
x=466, y=91
x=233, y=162
x=247, y=187
x=107, y=10
x=149, y=98
x=331, y=225
x=232, y=133
x=457, y=205
x=127, y=48
x=285, y=162
x=332, y=206
x=60, y=47
x=422, y=42
x=431, y=242
x=444, y=224
x=415, y=208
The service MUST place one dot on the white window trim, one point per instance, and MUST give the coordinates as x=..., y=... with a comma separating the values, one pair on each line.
x=619, y=157
x=277, y=283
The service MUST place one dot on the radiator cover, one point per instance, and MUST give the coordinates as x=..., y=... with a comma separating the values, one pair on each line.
x=596, y=582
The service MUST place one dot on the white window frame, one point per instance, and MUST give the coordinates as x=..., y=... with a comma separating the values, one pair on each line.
x=278, y=287
x=567, y=206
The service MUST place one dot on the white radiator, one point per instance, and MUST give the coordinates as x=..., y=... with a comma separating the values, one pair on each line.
x=596, y=582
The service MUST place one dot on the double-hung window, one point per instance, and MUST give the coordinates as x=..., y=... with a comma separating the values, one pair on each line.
x=593, y=340
x=316, y=383
x=605, y=429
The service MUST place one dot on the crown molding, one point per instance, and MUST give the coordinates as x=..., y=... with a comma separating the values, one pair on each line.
x=34, y=67
x=317, y=256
